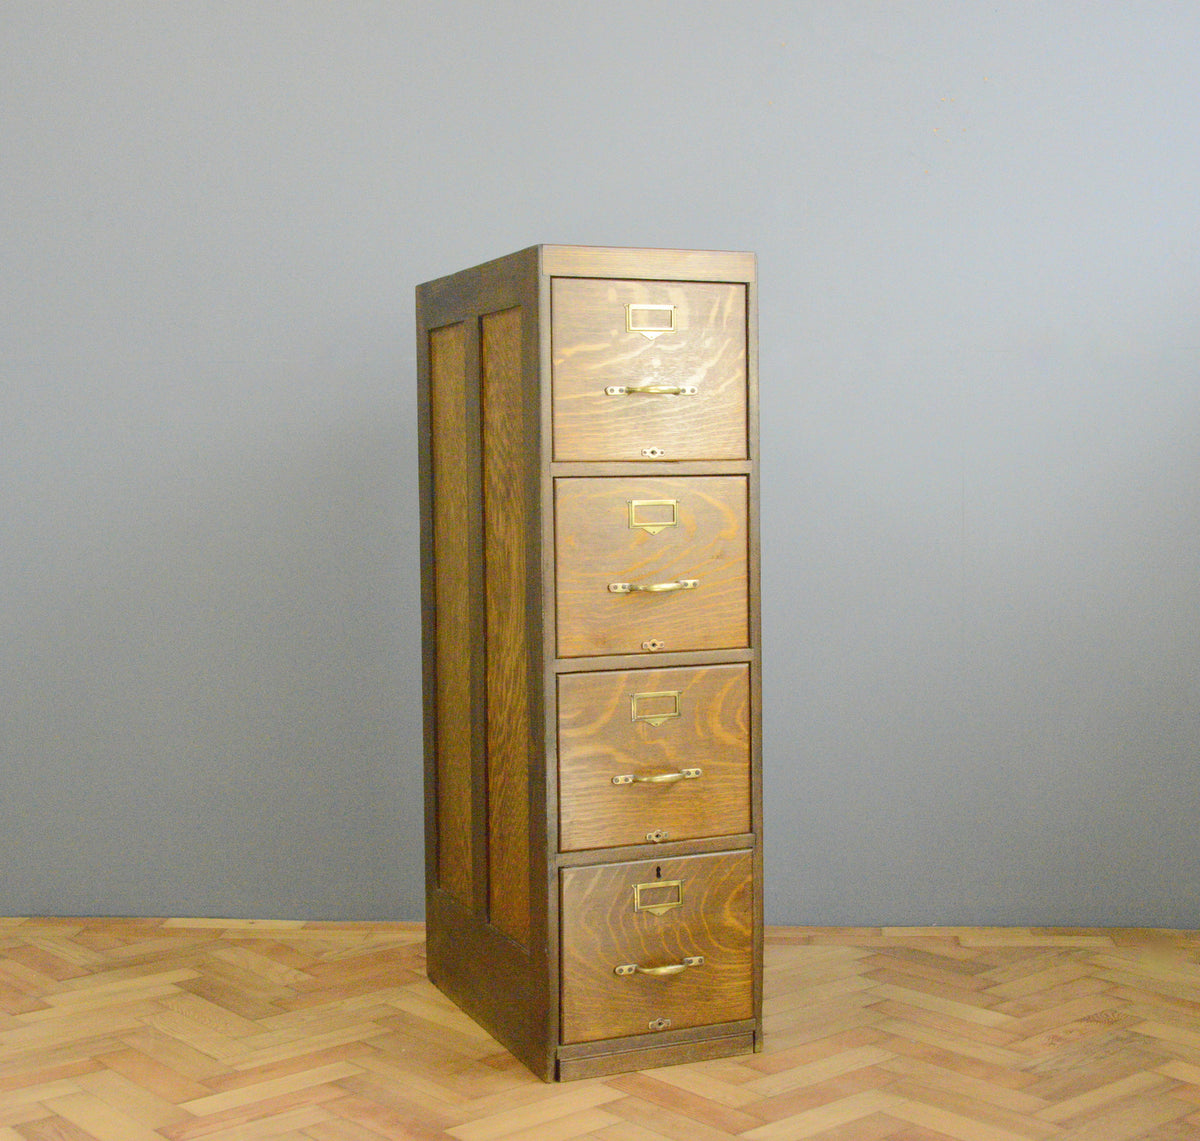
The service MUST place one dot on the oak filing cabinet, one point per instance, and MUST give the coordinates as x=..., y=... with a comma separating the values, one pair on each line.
x=591, y=653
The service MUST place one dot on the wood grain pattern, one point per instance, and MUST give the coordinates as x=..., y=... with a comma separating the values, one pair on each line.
x=597, y=546
x=342, y=1038
x=598, y=739
x=507, y=510
x=601, y=930
x=451, y=540
x=592, y=350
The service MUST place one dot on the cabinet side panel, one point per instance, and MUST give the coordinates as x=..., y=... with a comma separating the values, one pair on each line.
x=506, y=450
x=451, y=536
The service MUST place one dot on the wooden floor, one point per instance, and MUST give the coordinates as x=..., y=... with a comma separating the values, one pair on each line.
x=130, y=1030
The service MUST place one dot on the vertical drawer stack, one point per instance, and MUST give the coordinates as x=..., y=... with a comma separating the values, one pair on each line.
x=591, y=639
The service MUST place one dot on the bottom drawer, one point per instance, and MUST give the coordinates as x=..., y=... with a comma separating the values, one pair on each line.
x=656, y=944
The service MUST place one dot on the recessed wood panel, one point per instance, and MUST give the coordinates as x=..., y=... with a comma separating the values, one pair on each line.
x=611, y=338
x=451, y=543
x=601, y=931
x=613, y=531
x=650, y=726
x=506, y=519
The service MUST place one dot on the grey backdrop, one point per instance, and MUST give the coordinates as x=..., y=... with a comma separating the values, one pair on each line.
x=979, y=257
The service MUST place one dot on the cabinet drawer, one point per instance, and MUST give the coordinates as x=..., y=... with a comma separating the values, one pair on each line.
x=653, y=754
x=650, y=564
x=621, y=921
x=617, y=335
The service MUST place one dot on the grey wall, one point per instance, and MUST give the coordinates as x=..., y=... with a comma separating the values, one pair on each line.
x=980, y=281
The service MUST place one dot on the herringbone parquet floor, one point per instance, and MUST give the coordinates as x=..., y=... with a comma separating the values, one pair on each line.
x=145, y=1030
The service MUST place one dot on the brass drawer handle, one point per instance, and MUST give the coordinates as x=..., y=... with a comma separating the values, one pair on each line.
x=651, y=389
x=658, y=778
x=659, y=972
x=652, y=587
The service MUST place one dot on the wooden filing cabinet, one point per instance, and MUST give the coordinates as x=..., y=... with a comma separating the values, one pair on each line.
x=589, y=507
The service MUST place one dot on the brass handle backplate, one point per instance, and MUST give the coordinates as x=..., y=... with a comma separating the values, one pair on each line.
x=652, y=587
x=660, y=972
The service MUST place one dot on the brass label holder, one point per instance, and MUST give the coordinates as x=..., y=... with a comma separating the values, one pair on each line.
x=649, y=320
x=657, y=707
x=658, y=896
x=642, y=514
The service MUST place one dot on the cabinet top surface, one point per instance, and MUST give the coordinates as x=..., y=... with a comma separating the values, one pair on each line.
x=632, y=262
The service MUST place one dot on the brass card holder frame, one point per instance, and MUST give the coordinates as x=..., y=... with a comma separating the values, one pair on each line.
x=652, y=525
x=656, y=718
x=656, y=904
x=647, y=325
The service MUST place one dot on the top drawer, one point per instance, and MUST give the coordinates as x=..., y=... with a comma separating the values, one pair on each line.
x=683, y=341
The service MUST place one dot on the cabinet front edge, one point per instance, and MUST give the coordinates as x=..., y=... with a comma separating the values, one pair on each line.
x=665, y=265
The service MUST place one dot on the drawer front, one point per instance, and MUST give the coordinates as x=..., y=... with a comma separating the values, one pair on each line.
x=623, y=922
x=653, y=755
x=651, y=564
x=613, y=336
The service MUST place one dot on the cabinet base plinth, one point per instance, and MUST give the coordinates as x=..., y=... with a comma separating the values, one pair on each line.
x=651, y=1057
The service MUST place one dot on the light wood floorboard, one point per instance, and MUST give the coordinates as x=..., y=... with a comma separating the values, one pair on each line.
x=225, y=1030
